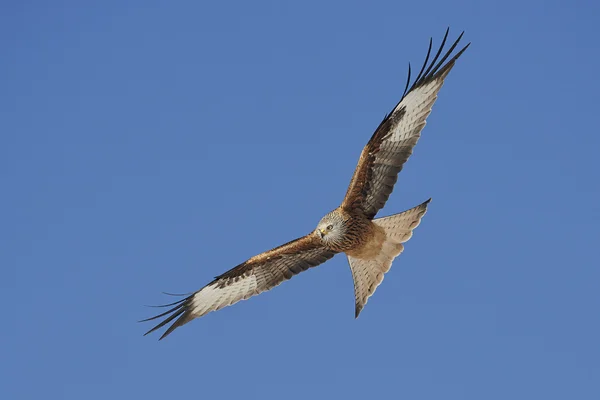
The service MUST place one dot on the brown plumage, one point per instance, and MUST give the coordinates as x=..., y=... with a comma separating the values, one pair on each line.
x=370, y=244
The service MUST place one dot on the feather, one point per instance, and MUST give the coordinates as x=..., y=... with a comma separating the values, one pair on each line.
x=393, y=141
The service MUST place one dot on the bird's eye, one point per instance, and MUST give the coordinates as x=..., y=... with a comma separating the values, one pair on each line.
x=329, y=227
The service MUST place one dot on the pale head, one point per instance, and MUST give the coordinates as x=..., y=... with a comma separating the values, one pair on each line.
x=332, y=227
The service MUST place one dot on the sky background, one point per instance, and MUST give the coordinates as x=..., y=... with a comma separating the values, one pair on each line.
x=150, y=146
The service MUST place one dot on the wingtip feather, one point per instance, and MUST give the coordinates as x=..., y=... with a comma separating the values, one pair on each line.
x=434, y=69
x=180, y=310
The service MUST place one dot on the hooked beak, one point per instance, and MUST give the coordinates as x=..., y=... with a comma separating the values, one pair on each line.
x=322, y=232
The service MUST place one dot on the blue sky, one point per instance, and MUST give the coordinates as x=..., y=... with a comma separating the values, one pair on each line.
x=149, y=146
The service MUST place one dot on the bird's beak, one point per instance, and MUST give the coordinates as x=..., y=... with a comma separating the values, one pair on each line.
x=323, y=232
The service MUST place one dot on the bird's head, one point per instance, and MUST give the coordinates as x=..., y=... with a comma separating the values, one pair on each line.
x=332, y=227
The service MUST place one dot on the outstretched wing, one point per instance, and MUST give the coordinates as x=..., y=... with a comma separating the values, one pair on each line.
x=392, y=143
x=258, y=274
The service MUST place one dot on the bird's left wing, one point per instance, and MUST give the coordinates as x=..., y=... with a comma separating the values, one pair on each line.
x=392, y=143
x=258, y=274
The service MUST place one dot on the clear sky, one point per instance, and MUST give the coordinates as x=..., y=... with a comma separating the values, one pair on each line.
x=150, y=146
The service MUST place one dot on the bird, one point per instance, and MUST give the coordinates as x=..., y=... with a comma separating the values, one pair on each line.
x=370, y=244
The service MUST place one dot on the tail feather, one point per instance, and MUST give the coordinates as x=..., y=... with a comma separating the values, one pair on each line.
x=368, y=274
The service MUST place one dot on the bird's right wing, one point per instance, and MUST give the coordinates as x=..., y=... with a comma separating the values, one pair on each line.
x=258, y=274
x=393, y=141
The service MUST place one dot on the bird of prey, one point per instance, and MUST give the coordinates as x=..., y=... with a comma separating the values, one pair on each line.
x=370, y=243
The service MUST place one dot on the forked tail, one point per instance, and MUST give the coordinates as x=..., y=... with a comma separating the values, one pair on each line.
x=368, y=274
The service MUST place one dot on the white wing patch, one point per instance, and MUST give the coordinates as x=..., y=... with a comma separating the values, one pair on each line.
x=213, y=297
x=417, y=105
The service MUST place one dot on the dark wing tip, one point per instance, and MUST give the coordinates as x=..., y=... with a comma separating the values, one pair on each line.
x=181, y=311
x=177, y=294
x=430, y=70
x=434, y=69
x=166, y=305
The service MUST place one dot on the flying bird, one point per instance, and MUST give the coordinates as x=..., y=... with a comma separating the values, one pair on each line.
x=370, y=243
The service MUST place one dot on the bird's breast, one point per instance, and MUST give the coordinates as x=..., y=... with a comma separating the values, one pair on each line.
x=370, y=242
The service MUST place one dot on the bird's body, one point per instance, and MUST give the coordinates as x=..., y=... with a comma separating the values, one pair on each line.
x=370, y=243
x=355, y=230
